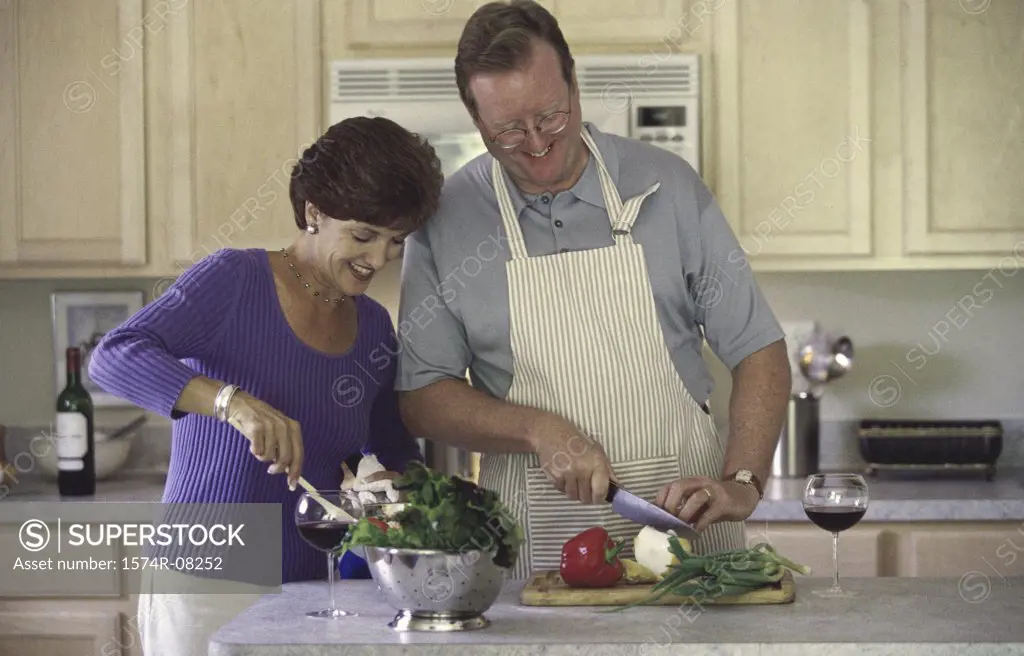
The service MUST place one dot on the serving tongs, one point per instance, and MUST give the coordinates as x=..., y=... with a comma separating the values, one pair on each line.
x=333, y=511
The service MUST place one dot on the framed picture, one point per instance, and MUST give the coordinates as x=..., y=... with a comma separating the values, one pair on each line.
x=82, y=319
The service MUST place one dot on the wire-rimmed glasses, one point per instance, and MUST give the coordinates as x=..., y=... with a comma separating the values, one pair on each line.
x=553, y=123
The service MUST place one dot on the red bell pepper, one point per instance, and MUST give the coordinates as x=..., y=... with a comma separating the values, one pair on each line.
x=382, y=525
x=591, y=560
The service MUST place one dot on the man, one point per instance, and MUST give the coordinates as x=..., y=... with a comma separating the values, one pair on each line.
x=576, y=274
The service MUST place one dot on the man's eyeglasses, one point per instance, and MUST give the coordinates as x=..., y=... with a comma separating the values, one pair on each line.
x=551, y=124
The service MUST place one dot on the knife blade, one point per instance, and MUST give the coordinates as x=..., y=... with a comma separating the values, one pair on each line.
x=645, y=513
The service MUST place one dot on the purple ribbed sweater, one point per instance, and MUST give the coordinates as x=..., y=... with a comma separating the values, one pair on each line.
x=222, y=319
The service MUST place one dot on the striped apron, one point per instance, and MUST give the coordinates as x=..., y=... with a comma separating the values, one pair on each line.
x=587, y=345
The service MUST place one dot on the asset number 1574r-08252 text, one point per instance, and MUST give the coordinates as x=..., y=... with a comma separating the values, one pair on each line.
x=132, y=563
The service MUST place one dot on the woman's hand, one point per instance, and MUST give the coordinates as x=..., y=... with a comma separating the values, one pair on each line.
x=368, y=484
x=273, y=436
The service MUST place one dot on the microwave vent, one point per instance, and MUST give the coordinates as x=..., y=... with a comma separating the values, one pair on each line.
x=639, y=77
x=395, y=82
x=434, y=79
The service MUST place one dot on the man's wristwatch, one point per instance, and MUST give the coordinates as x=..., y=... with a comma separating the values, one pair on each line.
x=747, y=477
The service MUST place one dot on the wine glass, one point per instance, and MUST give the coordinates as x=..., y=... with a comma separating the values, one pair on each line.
x=835, y=502
x=326, y=534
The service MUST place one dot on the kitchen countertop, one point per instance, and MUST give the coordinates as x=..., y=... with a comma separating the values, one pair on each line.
x=129, y=486
x=890, y=500
x=901, y=616
x=917, y=499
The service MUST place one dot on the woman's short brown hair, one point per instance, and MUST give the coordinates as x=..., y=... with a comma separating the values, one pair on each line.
x=499, y=37
x=370, y=170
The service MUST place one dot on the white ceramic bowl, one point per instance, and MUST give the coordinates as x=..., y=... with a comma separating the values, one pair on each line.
x=110, y=455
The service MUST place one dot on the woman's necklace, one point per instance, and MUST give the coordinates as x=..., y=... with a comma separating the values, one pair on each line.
x=298, y=275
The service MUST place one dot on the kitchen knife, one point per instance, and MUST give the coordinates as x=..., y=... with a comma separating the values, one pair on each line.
x=645, y=513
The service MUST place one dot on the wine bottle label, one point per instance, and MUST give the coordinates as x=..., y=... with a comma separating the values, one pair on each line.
x=72, y=440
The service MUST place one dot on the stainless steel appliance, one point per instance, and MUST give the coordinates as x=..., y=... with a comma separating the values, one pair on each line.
x=451, y=460
x=798, y=451
x=915, y=445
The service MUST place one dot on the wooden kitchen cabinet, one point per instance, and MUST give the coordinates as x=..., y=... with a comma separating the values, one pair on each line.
x=72, y=164
x=930, y=93
x=991, y=553
x=87, y=613
x=964, y=127
x=438, y=23
x=54, y=632
x=979, y=553
x=838, y=134
x=793, y=111
x=861, y=549
x=245, y=95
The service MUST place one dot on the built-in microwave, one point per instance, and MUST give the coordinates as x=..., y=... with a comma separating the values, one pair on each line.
x=651, y=97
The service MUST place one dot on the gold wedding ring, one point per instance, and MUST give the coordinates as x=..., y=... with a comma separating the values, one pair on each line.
x=707, y=492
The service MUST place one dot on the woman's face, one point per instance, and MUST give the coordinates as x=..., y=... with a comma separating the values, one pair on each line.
x=349, y=253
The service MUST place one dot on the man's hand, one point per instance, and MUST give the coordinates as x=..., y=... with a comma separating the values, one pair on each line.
x=576, y=464
x=702, y=501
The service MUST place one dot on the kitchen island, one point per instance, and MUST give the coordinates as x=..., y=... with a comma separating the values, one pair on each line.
x=899, y=616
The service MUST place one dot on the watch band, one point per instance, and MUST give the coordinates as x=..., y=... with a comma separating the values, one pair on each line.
x=747, y=477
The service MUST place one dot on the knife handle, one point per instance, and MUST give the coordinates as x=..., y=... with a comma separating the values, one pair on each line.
x=612, y=489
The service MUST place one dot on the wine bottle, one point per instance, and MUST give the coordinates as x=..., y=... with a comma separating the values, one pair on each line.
x=76, y=471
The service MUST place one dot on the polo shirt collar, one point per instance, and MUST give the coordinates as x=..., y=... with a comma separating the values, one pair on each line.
x=588, y=187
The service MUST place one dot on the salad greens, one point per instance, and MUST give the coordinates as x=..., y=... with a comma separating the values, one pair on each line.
x=442, y=512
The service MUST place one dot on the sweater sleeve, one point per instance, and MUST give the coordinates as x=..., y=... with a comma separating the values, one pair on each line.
x=389, y=439
x=141, y=360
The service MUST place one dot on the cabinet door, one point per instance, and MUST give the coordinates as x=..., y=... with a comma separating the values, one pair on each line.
x=860, y=548
x=979, y=556
x=963, y=126
x=72, y=151
x=55, y=632
x=245, y=85
x=793, y=115
x=438, y=23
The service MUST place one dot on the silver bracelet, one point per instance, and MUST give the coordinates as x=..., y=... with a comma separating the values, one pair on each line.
x=223, y=400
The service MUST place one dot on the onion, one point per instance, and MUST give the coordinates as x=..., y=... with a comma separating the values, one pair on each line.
x=651, y=549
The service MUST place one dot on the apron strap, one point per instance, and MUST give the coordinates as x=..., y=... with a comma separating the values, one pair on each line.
x=608, y=190
x=516, y=243
x=624, y=225
x=621, y=216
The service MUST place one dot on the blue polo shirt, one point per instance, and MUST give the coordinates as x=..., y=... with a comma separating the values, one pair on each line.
x=454, y=313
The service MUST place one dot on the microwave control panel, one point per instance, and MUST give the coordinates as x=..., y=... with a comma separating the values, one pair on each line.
x=672, y=127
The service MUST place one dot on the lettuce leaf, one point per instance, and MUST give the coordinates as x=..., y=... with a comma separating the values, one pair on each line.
x=445, y=513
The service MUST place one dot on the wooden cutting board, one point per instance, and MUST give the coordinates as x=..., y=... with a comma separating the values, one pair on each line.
x=548, y=589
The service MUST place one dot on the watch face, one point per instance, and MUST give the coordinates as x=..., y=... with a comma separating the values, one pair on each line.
x=743, y=476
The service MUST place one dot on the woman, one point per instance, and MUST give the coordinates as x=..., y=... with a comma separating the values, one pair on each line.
x=311, y=356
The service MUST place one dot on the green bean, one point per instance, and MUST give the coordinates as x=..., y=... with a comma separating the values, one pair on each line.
x=677, y=550
x=729, y=590
x=758, y=578
x=796, y=567
x=679, y=573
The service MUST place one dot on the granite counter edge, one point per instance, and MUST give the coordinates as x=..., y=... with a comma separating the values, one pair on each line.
x=217, y=648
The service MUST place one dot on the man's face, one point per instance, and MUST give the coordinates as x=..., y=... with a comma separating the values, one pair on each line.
x=522, y=99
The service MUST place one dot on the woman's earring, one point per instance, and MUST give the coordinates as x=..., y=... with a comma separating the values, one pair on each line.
x=312, y=229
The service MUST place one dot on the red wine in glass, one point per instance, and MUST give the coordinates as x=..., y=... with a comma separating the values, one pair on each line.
x=325, y=536
x=325, y=533
x=835, y=503
x=835, y=519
